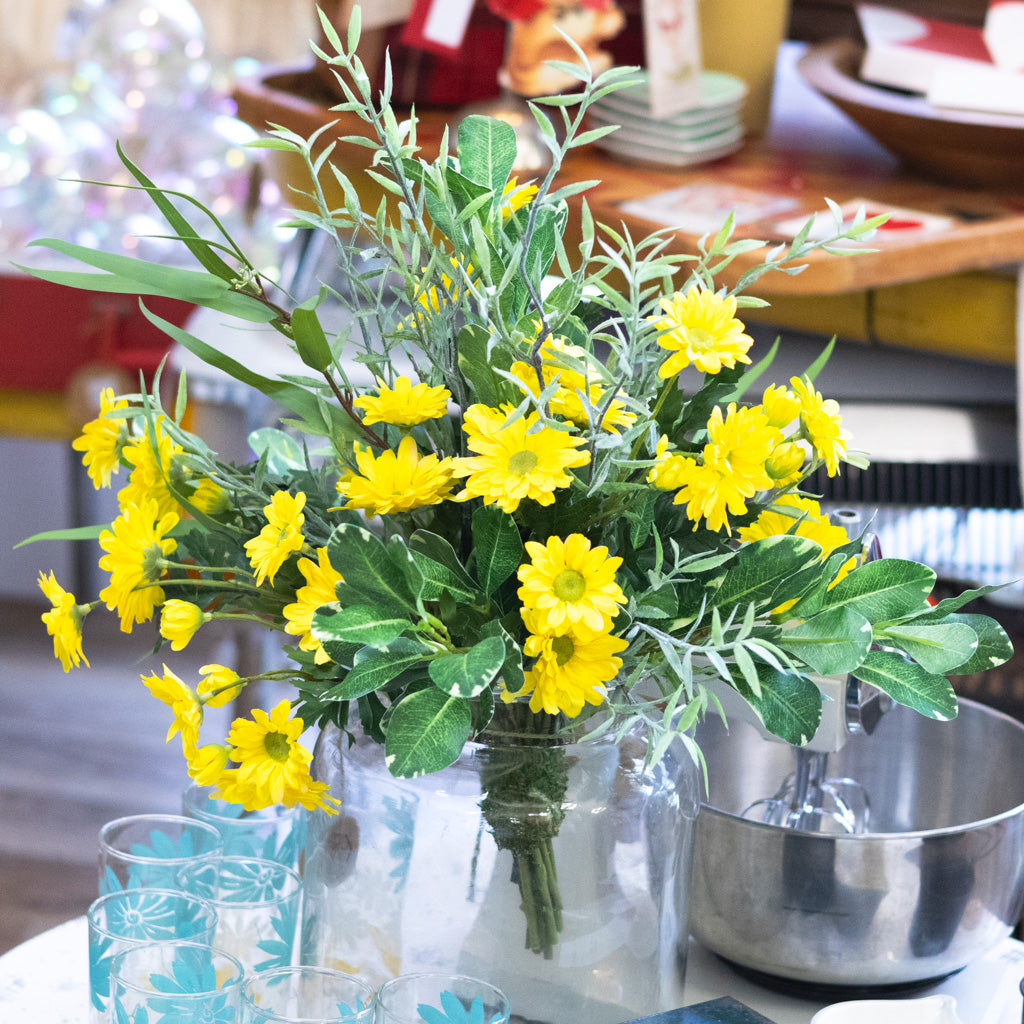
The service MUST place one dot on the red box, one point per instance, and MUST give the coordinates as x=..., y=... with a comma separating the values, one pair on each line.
x=48, y=331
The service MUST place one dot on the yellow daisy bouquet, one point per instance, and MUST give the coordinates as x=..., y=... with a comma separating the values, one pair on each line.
x=493, y=502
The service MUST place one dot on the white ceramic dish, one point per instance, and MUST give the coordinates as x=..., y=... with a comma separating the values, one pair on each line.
x=926, y=1010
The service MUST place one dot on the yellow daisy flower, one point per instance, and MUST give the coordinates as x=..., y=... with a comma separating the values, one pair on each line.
x=515, y=460
x=567, y=401
x=210, y=497
x=700, y=328
x=102, y=441
x=781, y=406
x=135, y=547
x=572, y=666
x=218, y=686
x=280, y=538
x=822, y=423
x=395, y=481
x=152, y=457
x=320, y=578
x=568, y=583
x=63, y=622
x=206, y=764
x=179, y=621
x=433, y=299
x=786, y=463
x=404, y=405
x=273, y=767
x=515, y=196
x=184, y=704
x=733, y=469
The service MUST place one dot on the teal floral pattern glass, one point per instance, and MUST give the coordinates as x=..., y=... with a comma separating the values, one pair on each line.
x=257, y=904
x=175, y=983
x=302, y=995
x=272, y=833
x=431, y=998
x=127, y=918
x=148, y=850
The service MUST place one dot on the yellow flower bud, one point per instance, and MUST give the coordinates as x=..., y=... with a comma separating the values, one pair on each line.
x=781, y=406
x=179, y=621
x=785, y=462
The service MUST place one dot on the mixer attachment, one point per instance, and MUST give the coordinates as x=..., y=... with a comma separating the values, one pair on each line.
x=810, y=801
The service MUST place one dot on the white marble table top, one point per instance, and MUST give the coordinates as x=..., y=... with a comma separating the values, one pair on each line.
x=45, y=981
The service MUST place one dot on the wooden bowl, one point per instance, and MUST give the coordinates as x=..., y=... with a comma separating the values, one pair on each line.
x=957, y=147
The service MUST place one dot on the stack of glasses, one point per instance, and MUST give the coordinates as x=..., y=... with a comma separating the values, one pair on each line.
x=198, y=919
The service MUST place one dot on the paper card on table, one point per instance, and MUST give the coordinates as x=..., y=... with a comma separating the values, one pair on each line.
x=1004, y=34
x=703, y=207
x=438, y=26
x=672, y=55
x=715, y=1011
x=901, y=223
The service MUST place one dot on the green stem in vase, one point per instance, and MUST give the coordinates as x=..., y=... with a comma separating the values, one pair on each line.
x=524, y=781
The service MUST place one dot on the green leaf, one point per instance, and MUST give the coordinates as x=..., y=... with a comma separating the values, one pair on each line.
x=283, y=453
x=883, y=590
x=476, y=365
x=295, y=399
x=467, y=674
x=370, y=571
x=202, y=250
x=832, y=642
x=498, y=547
x=909, y=684
x=487, y=150
x=441, y=569
x=426, y=732
x=759, y=568
x=359, y=624
x=789, y=704
x=71, y=533
x=994, y=646
x=126, y=275
x=310, y=341
x=373, y=669
x=937, y=647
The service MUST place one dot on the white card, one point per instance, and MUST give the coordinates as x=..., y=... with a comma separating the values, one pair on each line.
x=446, y=23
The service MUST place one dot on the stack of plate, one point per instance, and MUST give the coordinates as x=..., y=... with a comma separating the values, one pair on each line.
x=703, y=133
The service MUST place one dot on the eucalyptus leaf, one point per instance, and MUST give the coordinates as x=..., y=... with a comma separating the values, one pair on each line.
x=370, y=570
x=832, y=642
x=498, y=548
x=757, y=571
x=937, y=647
x=374, y=669
x=883, y=590
x=360, y=624
x=486, y=149
x=789, y=704
x=994, y=646
x=467, y=673
x=426, y=732
x=909, y=684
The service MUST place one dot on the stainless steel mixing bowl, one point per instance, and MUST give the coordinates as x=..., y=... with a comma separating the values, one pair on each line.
x=937, y=881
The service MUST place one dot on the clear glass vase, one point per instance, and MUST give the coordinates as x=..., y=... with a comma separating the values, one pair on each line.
x=556, y=870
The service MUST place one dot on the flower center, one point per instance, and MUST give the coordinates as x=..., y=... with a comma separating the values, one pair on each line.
x=563, y=649
x=569, y=585
x=277, y=746
x=522, y=463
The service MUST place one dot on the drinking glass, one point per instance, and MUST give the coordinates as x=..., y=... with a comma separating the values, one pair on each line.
x=127, y=918
x=273, y=833
x=257, y=904
x=145, y=850
x=303, y=995
x=175, y=983
x=440, y=999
